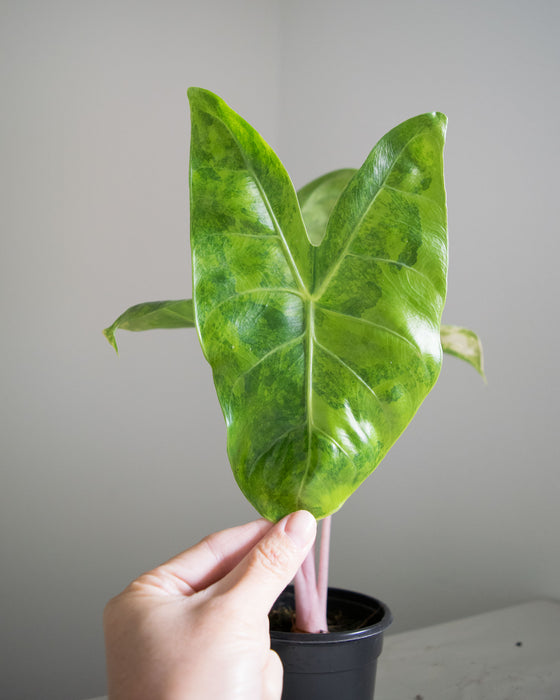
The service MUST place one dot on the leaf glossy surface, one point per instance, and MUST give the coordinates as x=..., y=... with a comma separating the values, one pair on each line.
x=153, y=315
x=323, y=342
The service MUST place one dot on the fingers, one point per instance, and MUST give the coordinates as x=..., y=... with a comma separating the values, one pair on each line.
x=272, y=563
x=208, y=561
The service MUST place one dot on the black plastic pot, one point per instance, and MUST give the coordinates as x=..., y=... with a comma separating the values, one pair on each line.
x=339, y=665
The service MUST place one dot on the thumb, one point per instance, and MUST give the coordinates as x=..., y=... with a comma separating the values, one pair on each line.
x=273, y=562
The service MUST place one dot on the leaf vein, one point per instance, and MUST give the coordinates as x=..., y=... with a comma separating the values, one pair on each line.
x=379, y=326
x=411, y=194
x=353, y=372
x=268, y=205
x=270, y=236
x=353, y=233
x=274, y=290
x=332, y=439
x=251, y=465
x=376, y=258
x=265, y=357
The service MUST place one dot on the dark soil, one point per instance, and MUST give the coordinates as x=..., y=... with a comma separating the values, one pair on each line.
x=282, y=619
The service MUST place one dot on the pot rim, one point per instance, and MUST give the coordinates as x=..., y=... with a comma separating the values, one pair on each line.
x=337, y=637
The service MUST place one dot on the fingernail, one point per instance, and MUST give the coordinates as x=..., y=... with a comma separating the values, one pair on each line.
x=300, y=527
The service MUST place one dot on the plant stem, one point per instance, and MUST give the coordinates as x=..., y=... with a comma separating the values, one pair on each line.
x=306, y=599
x=311, y=594
x=323, y=574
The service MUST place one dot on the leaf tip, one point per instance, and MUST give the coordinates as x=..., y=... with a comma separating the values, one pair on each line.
x=198, y=95
x=478, y=360
x=464, y=344
x=441, y=119
x=109, y=333
x=481, y=371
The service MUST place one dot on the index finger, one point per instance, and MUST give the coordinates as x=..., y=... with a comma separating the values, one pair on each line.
x=208, y=561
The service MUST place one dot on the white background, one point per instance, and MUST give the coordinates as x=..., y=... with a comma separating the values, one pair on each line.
x=110, y=465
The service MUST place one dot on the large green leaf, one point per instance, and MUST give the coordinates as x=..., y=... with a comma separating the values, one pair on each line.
x=321, y=354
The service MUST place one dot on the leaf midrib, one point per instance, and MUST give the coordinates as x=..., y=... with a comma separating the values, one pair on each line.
x=310, y=338
x=269, y=209
x=334, y=269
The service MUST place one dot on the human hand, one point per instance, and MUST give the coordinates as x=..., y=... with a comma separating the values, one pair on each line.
x=196, y=627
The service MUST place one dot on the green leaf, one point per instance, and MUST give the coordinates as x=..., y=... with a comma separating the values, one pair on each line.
x=465, y=344
x=321, y=354
x=455, y=340
x=151, y=315
x=317, y=200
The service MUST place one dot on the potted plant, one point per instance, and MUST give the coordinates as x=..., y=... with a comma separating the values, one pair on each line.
x=320, y=315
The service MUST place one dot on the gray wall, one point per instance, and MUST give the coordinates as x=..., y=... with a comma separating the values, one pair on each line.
x=110, y=465
x=462, y=516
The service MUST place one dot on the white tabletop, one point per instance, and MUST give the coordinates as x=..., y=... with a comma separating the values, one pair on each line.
x=510, y=654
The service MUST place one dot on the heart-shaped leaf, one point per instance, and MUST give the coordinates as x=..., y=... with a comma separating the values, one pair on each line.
x=321, y=354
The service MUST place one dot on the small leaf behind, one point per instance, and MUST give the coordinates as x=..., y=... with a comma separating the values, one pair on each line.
x=465, y=344
x=317, y=200
x=151, y=315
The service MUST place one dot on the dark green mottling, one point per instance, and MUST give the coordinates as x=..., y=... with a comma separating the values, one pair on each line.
x=324, y=340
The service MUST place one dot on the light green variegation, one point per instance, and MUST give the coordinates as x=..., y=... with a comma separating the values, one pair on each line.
x=465, y=344
x=321, y=354
x=152, y=315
